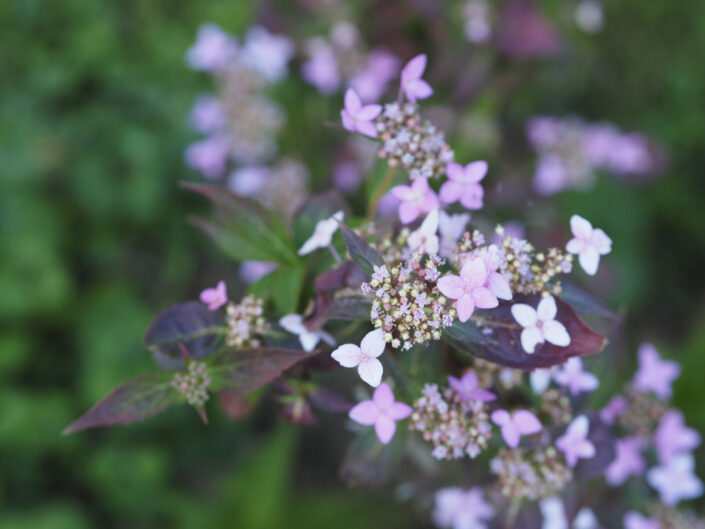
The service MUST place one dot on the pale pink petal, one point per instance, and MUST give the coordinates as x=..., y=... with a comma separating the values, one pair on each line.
x=369, y=112
x=385, y=428
x=482, y=395
x=402, y=192
x=579, y=427
x=348, y=121
x=484, y=298
x=451, y=286
x=327, y=338
x=580, y=227
x=455, y=171
x=373, y=343
x=526, y=422
x=575, y=246
x=511, y=435
x=450, y=192
x=473, y=272
x=408, y=212
x=499, y=286
x=555, y=332
x=500, y=417
x=383, y=396
x=348, y=355
x=525, y=315
x=352, y=101
x=309, y=340
x=365, y=413
x=293, y=323
x=475, y=171
x=399, y=411
x=547, y=309
x=589, y=259
x=530, y=338
x=601, y=241
x=367, y=128
x=418, y=89
x=371, y=371
x=465, y=307
x=585, y=450
x=472, y=195
x=414, y=69
x=457, y=385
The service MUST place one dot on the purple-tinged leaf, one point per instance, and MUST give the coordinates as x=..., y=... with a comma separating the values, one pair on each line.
x=585, y=304
x=338, y=296
x=136, y=400
x=360, y=251
x=601, y=436
x=243, y=370
x=369, y=463
x=494, y=335
x=191, y=324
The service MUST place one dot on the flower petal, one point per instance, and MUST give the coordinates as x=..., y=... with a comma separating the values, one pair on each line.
x=525, y=315
x=474, y=272
x=369, y=112
x=547, y=309
x=511, y=434
x=580, y=227
x=408, y=212
x=293, y=323
x=465, y=305
x=451, y=286
x=383, y=396
x=484, y=298
x=589, y=259
x=371, y=371
x=352, y=102
x=499, y=286
x=475, y=171
x=366, y=412
x=399, y=411
x=414, y=69
x=526, y=422
x=530, y=338
x=373, y=343
x=309, y=340
x=347, y=355
x=385, y=428
x=555, y=332
x=500, y=417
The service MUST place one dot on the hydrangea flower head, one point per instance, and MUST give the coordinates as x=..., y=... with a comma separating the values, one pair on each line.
x=463, y=184
x=572, y=376
x=382, y=412
x=468, y=390
x=364, y=357
x=574, y=443
x=540, y=324
x=588, y=244
x=294, y=323
x=415, y=199
x=359, y=118
x=412, y=85
x=654, y=374
x=627, y=462
x=215, y=297
x=676, y=481
x=516, y=424
x=425, y=239
x=468, y=289
x=212, y=50
x=323, y=233
x=673, y=437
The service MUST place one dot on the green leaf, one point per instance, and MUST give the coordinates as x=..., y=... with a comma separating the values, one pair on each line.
x=584, y=303
x=360, y=251
x=134, y=401
x=283, y=286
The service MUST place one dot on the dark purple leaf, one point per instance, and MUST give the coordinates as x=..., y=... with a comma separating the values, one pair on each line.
x=498, y=339
x=367, y=462
x=191, y=324
x=136, y=400
x=360, y=251
x=600, y=435
x=584, y=303
x=243, y=370
x=338, y=296
x=524, y=33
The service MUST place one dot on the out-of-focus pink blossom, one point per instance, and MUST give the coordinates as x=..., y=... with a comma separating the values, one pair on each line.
x=496, y=282
x=215, y=297
x=574, y=443
x=588, y=16
x=212, y=50
x=467, y=388
x=251, y=271
x=673, y=437
x=371, y=81
x=359, y=118
x=463, y=184
x=323, y=233
x=615, y=407
x=364, y=357
x=294, y=323
x=676, y=481
x=267, y=53
x=456, y=508
x=572, y=376
x=382, y=411
x=249, y=181
x=588, y=243
x=412, y=85
x=540, y=324
x=321, y=69
x=209, y=156
x=628, y=461
x=516, y=424
x=655, y=375
x=635, y=520
x=468, y=289
x=415, y=199
x=207, y=115
x=425, y=239
x=451, y=228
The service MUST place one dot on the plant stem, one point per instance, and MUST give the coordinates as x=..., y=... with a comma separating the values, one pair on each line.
x=380, y=191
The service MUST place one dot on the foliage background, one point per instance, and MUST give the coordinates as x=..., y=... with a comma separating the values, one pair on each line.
x=94, y=241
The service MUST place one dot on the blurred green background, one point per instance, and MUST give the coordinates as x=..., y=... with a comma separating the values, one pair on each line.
x=93, y=104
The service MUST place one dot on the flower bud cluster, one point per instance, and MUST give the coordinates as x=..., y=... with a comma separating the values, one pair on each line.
x=457, y=428
x=642, y=412
x=411, y=142
x=193, y=384
x=530, y=473
x=489, y=373
x=408, y=305
x=556, y=405
x=527, y=270
x=245, y=323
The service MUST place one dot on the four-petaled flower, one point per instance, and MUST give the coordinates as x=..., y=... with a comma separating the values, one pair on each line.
x=294, y=323
x=215, y=297
x=467, y=388
x=574, y=443
x=654, y=374
x=212, y=50
x=415, y=199
x=464, y=184
x=451, y=228
x=322, y=234
x=496, y=282
x=627, y=462
x=676, y=480
x=364, y=357
x=673, y=437
x=425, y=239
x=468, y=289
x=381, y=411
x=461, y=509
x=540, y=324
x=516, y=424
x=411, y=83
x=572, y=376
x=588, y=243
x=359, y=118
